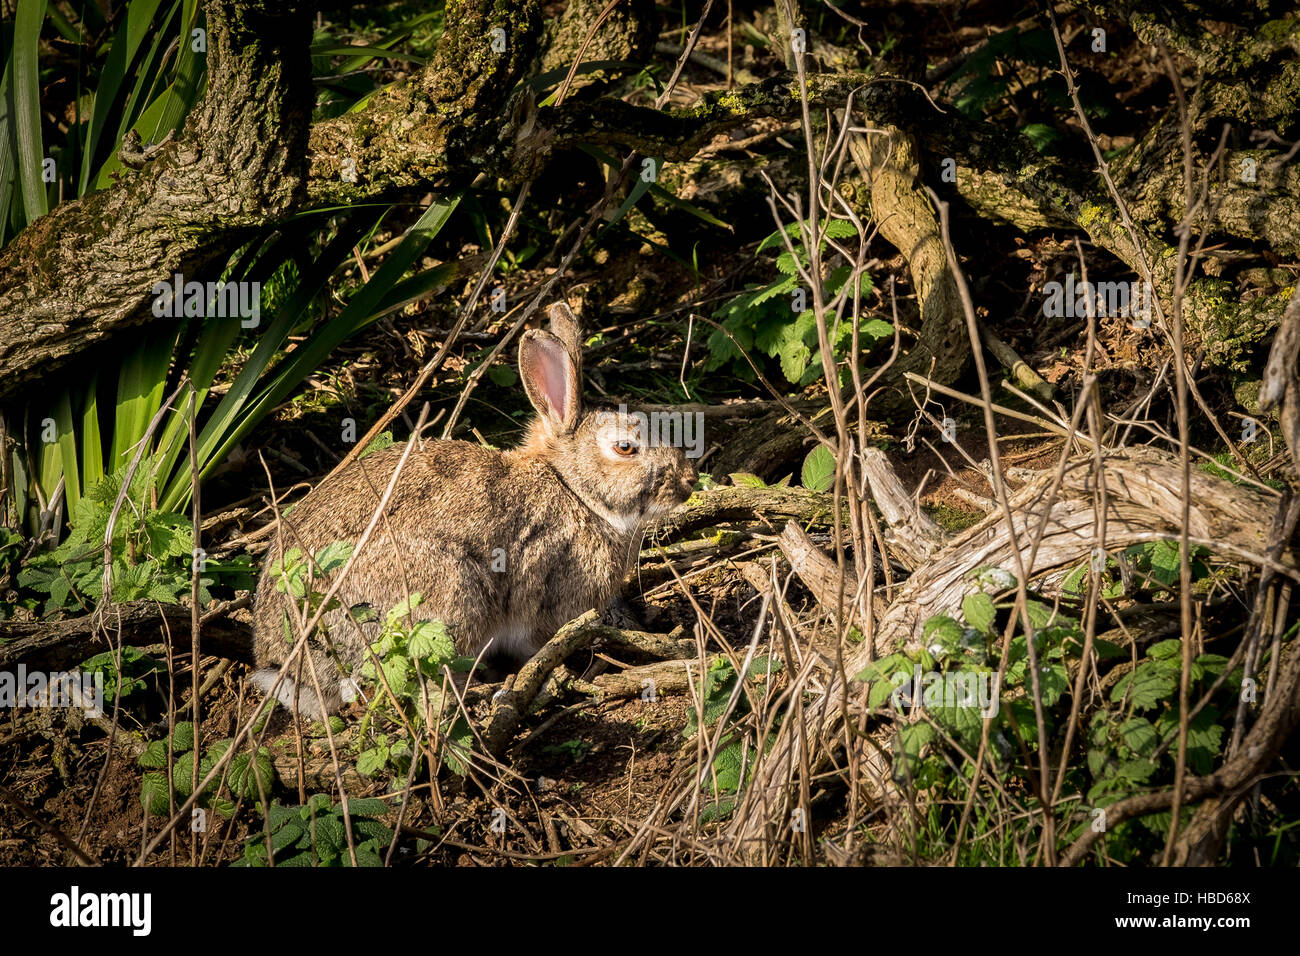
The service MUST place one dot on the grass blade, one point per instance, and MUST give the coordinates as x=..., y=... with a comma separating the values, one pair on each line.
x=27, y=106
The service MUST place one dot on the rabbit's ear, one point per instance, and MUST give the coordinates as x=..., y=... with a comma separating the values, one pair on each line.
x=566, y=327
x=550, y=379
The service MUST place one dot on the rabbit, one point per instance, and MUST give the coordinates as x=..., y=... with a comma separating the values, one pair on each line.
x=504, y=547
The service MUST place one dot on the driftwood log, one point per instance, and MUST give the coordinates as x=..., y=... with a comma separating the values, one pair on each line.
x=1143, y=494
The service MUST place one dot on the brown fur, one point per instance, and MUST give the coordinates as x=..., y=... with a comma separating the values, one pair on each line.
x=546, y=505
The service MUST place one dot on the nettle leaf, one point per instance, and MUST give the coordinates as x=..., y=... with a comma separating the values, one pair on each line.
x=1136, y=771
x=943, y=631
x=1164, y=557
x=818, y=471
x=1053, y=679
x=884, y=668
x=911, y=740
x=841, y=229
x=333, y=556
x=727, y=768
x=366, y=807
x=1139, y=736
x=251, y=776
x=1204, y=740
x=964, y=723
x=979, y=611
x=785, y=263
x=1146, y=686
x=331, y=840
x=1040, y=614
x=794, y=357
x=1107, y=649
x=1212, y=664
x=401, y=609
x=1041, y=135
x=431, y=641
x=287, y=835
x=280, y=815
x=183, y=773
x=1074, y=581
x=771, y=291
x=877, y=329
x=372, y=761
x=397, y=672
x=1165, y=649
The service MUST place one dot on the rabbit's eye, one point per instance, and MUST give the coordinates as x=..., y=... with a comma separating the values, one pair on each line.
x=625, y=448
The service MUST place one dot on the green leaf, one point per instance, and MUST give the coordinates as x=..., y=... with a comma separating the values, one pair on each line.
x=727, y=768
x=979, y=611
x=503, y=375
x=912, y=738
x=1139, y=736
x=818, y=472
x=430, y=640
x=944, y=631
x=1147, y=686
x=333, y=556
x=371, y=762
x=1165, y=562
x=153, y=793
x=250, y=776
x=183, y=736
x=367, y=807
x=26, y=84
x=1164, y=650
x=155, y=755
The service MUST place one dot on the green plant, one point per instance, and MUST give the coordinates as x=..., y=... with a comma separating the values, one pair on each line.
x=152, y=554
x=248, y=776
x=573, y=750
x=1152, y=566
x=1128, y=737
x=762, y=319
x=294, y=574
x=412, y=657
x=11, y=552
x=818, y=472
x=315, y=834
x=142, y=75
x=733, y=763
x=135, y=667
